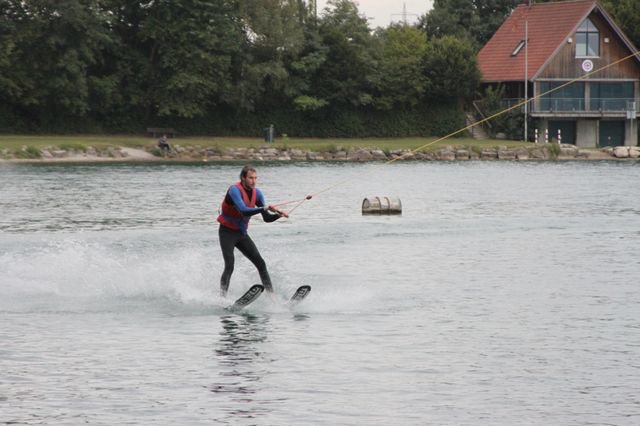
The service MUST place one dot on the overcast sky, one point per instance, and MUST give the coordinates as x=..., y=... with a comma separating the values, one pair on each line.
x=382, y=12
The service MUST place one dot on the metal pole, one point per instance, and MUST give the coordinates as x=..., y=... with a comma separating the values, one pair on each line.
x=526, y=78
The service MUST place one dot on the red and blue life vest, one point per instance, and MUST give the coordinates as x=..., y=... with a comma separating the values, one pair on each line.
x=230, y=216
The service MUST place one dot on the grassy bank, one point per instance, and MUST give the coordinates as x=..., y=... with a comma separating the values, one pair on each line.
x=31, y=145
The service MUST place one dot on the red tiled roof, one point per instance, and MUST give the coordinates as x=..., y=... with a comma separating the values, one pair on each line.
x=549, y=24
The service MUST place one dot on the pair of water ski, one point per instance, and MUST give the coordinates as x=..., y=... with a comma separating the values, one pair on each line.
x=256, y=290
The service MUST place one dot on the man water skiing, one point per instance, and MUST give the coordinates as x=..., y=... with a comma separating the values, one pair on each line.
x=242, y=201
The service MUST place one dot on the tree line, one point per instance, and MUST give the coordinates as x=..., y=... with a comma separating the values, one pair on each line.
x=236, y=66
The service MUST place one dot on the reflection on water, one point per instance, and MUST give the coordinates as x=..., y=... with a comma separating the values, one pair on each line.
x=242, y=363
x=300, y=317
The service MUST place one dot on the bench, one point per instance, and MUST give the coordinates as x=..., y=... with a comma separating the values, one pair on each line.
x=155, y=131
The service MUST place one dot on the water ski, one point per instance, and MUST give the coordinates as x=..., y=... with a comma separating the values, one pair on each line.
x=247, y=298
x=300, y=294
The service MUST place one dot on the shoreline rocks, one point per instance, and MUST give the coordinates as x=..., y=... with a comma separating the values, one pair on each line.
x=447, y=153
x=536, y=152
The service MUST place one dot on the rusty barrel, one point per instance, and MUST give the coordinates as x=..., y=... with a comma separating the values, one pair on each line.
x=381, y=205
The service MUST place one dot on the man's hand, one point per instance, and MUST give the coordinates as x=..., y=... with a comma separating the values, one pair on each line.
x=278, y=211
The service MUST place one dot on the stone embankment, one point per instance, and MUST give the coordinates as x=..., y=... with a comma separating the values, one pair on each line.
x=623, y=151
x=54, y=154
x=111, y=152
x=448, y=153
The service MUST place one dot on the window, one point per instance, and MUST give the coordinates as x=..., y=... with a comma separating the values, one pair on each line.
x=613, y=96
x=518, y=48
x=568, y=98
x=587, y=39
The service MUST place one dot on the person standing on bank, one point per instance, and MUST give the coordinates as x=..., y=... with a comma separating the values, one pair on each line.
x=242, y=201
x=164, y=146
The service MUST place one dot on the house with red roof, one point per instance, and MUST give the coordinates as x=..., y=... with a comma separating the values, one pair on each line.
x=580, y=71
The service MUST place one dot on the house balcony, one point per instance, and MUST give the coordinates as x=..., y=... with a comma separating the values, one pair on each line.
x=578, y=107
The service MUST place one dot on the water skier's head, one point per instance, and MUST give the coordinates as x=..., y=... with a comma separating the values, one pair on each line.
x=248, y=177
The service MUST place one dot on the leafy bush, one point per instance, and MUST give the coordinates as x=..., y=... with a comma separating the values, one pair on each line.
x=509, y=123
x=72, y=146
x=554, y=150
x=28, y=152
x=435, y=117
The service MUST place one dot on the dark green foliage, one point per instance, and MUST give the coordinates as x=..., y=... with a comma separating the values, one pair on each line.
x=451, y=68
x=474, y=20
x=227, y=67
x=401, y=81
x=273, y=38
x=511, y=123
x=626, y=13
x=28, y=152
x=554, y=150
x=71, y=146
x=345, y=76
x=47, y=53
x=347, y=121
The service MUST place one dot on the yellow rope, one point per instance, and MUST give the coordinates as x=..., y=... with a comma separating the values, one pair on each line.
x=499, y=113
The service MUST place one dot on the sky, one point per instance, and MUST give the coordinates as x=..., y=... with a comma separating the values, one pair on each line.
x=383, y=12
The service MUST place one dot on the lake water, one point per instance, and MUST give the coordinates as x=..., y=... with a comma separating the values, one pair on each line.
x=506, y=293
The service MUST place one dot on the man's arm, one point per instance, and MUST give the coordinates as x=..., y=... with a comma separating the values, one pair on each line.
x=269, y=213
x=269, y=216
x=236, y=198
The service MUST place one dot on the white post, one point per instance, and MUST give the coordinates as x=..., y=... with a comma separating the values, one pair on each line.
x=559, y=137
x=536, y=135
x=546, y=135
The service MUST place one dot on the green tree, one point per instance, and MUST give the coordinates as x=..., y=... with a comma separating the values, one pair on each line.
x=196, y=42
x=169, y=59
x=346, y=76
x=190, y=45
x=476, y=20
x=626, y=14
x=46, y=52
x=274, y=38
x=11, y=86
x=124, y=77
x=302, y=70
x=451, y=68
x=401, y=81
